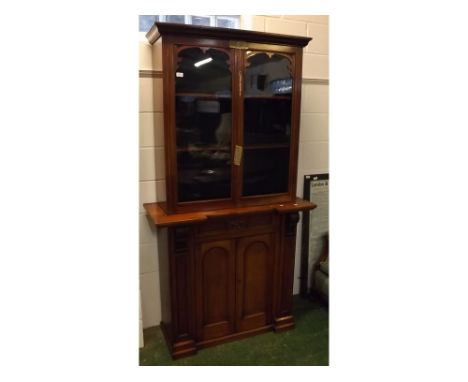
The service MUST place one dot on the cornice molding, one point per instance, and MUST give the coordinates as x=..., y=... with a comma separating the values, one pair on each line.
x=160, y=29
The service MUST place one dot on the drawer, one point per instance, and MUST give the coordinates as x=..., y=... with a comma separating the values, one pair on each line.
x=234, y=225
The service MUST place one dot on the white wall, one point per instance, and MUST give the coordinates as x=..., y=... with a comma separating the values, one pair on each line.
x=313, y=146
x=152, y=185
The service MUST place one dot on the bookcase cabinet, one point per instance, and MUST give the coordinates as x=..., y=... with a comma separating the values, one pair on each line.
x=227, y=229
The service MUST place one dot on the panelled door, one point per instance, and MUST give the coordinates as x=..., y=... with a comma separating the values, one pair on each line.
x=234, y=290
x=215, y=289
x=254, y=291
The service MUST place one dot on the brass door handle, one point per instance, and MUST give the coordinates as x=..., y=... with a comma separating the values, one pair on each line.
x=238, y=155
x=241, y=84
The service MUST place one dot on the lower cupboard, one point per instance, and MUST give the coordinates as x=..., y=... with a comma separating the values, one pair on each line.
x=226, y=278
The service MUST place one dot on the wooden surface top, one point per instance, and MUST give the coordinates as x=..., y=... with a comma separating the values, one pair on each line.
x=160, y=219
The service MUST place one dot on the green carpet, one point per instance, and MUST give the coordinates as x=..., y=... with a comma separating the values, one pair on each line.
x=306, y=344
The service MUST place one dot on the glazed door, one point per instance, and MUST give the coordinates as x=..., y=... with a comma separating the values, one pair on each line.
x=215, y=289
x=254, y=292
x=267, y=123
x=235, y=122
x=203, y=123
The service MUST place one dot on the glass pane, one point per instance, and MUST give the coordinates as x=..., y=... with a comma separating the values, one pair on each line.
x=203, y=71
x=267, y=74
x=265, y=171
x=200, y=20
x=203, y=124
x=267, y=123
x=204, y=175
x=175, y=19
x=225, y=22
x=146, y=22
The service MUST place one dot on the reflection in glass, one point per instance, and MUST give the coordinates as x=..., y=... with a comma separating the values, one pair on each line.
x=267, y=102
x=265, y=171
x=204, y=175
x=267, y=123
x=203, y=71
x=203, y=124
x=267, y=74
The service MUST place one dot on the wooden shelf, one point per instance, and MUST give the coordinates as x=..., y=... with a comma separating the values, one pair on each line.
x=203, y=148
x=261, y=97
x=228, y=96
x=157, y=214
x=228, y=148
x=204, y=95
x=267, y=146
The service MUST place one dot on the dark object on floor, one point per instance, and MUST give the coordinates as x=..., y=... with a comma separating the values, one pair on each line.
x=306, y=345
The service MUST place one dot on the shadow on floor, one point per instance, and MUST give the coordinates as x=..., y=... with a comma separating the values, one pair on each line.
x=306, y=345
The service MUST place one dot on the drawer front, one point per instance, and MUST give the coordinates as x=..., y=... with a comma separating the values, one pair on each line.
x=236, y=226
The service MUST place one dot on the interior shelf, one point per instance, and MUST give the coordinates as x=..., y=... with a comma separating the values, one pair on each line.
x=203, y=148
x=228, y=148
x=263, y=97
x=203, y=95
x=267, y=146
x=228, y=96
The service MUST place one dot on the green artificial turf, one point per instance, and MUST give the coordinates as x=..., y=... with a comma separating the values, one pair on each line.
x=306, y=344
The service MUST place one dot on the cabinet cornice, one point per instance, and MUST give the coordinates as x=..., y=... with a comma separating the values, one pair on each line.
x=239, y=35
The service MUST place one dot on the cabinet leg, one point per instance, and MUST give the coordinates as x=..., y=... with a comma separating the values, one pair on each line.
x=284, y=306
x=284, y=323
x=179, y=348
x=183, y=349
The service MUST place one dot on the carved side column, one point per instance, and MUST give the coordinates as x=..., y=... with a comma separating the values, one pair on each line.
x=285, y=273
x=182, y=299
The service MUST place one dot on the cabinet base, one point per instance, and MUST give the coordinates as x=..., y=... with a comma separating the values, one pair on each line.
x=235, y=336
x=185, y=348
x=284, y=323
x=180, y=348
